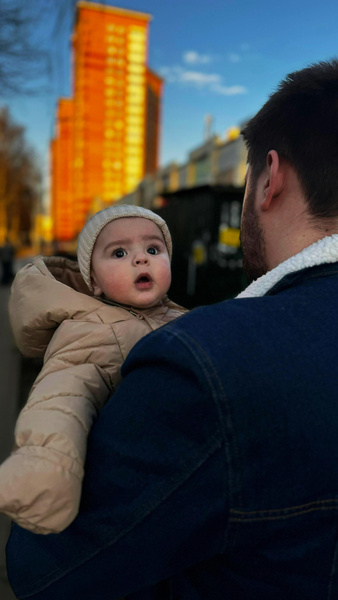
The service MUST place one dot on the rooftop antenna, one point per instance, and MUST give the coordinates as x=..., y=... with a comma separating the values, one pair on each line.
x=207, y=127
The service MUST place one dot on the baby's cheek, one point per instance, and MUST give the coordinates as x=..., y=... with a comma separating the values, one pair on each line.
x=167, y=280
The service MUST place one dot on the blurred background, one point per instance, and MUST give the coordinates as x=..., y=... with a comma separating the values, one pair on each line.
x=139, y=102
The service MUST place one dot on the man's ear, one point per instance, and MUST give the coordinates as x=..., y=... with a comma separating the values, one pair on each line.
x=274, y=181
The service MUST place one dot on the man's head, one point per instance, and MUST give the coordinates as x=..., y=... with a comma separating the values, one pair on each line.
x=292, y=157
x=124, y=254
x=300, y=122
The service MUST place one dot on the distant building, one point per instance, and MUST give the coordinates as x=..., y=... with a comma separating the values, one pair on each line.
x=62, y=161
x=153, y=120
x=107, y=136
x=216, y=162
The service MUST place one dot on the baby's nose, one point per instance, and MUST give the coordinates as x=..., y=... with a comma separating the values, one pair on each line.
x=141, y=259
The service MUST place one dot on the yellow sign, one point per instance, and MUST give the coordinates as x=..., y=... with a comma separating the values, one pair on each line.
x=233, y=133
x=199, y=254
x=229, y=237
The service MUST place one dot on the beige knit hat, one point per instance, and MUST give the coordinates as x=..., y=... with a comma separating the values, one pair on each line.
x=92, y=228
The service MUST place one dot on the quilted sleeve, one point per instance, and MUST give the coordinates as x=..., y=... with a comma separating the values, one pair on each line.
x=40, y=483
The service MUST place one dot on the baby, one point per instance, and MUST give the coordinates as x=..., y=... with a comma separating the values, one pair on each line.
x=83, y=318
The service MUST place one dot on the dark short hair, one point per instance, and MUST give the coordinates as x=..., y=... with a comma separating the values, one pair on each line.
x=300, y=122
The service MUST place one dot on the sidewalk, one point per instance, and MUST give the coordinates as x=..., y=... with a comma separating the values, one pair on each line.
x=9, y=389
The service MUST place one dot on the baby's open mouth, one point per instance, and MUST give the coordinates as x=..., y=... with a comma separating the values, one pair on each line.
x=143, y=282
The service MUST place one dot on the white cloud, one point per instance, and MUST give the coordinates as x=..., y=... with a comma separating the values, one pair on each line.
x=195, y=58
x=232, y=90
x=177, y=74
x=213, y=82
x=171, y=74
x=200, y=79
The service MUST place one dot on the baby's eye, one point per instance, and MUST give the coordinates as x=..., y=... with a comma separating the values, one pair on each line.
x=153, y=250
x=119, y=253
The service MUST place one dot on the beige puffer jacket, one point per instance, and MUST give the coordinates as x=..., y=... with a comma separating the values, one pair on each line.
x=84, y=343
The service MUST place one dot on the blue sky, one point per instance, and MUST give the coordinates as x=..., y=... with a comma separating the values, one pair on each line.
x=218, y=57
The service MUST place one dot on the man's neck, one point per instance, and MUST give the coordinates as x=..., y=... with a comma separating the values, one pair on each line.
x=291, y=228
x=291, y=243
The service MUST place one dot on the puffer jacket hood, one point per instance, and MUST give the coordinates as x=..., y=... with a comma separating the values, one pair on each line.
x=38, y=306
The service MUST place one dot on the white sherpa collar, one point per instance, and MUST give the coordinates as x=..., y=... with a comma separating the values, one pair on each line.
x=322, y=251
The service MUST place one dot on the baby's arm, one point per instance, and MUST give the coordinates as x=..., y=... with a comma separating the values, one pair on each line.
x=40, y=483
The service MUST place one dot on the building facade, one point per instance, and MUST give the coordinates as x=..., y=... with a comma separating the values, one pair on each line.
x=62, y=160
x=115, y=118
x=153, y=111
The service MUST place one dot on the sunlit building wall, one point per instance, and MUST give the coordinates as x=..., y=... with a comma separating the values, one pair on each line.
x=153, y=118
x=53, y=178
x=110, y=78
x=42, y=232
x=62, y=160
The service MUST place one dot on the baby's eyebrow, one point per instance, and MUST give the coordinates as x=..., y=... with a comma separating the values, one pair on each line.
x=118, y=243
x=153, y=237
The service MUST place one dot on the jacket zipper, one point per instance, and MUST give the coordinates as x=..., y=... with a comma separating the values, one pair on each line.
x=132, y=312
x=135, y=314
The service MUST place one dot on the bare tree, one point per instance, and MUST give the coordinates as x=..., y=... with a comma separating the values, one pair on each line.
x=31, y=32
x=23, y=59
x=20, y=178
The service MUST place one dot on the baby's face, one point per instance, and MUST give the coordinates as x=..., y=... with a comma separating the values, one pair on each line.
x=130, y=263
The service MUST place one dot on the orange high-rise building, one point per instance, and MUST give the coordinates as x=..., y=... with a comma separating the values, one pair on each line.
x=62, y=159
x=153, y=118
x=110, y=56
x=116, y=112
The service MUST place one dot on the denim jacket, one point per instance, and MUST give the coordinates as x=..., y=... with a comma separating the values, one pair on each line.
x=212, y=474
